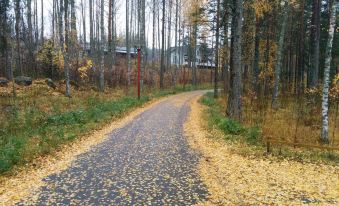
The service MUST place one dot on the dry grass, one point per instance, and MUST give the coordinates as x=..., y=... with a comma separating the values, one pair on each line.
x=295, y=122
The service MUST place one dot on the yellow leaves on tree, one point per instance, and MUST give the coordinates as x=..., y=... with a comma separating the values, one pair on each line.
x=334, y=92
x=261, y=7
x=268, y=59
x=192, y=11
x=83, y=70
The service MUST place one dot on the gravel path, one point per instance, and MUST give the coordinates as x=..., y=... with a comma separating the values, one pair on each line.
x=146, y=162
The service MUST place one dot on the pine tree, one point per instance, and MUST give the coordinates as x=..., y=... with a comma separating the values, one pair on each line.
x=234, y=107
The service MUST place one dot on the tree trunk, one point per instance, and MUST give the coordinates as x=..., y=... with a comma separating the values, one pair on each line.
x=168, y=59
x=162, y=65
x=301, y=63
x=128, y=46
x=30, y=33
x=73, y=23
x=176, y=44
x=234, y=100
x=226, y=47
x=143, y=42
x=42, y=23
x=102, y=63
x=275, y=103
x=66, y=45
x=217, y=51
x=36, y=23
x=256, y=70
x=328, y=59
x=315, y=44
x=91, y=31
x=195, y=36
x=17, y=35
x=83, y=5
x=110, y=22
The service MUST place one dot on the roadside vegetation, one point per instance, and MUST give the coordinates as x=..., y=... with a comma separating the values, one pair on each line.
x=255, y=130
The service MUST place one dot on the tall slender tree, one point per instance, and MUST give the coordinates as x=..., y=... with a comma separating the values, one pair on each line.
x=315, y=44
x=277, y=71
x=17, y=35
x=66, y=49
x=143, y=41
x=255, y=81
x=102, y=45
x=42, y=22
x=128, y=45
x=83, y=6
x=176, y=62
x=234, y=108
x=162, y=61
x=217, y=51
x=91, y=27
x=328, y=60
x=169, y=29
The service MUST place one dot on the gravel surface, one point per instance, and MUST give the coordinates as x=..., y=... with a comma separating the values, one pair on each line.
x=146, y=162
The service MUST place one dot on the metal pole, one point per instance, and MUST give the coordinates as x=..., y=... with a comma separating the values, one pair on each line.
x=139, y=60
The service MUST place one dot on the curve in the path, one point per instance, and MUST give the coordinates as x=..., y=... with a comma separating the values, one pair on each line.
x=146, y=162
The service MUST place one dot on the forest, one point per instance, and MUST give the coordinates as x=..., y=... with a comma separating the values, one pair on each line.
x=169, y=102
x=68, y=66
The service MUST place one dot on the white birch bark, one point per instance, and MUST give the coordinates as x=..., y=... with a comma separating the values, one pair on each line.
x=325, y=124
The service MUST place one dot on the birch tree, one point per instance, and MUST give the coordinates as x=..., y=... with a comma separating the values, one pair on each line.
x=328, y=59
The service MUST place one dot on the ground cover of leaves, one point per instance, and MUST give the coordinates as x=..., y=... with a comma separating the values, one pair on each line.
x=25, y=179
x=234, y=179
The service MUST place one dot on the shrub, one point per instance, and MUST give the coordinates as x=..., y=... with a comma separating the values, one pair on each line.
x=230, y=126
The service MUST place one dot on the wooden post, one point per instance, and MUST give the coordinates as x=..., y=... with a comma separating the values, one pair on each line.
x=268, y=145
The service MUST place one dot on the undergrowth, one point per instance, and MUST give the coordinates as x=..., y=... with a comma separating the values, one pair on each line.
x=252, y=136
x=226, y=125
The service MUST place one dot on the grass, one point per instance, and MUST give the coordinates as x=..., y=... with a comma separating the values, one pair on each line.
x=226, y=125
x=251, y=137
x=40, y=120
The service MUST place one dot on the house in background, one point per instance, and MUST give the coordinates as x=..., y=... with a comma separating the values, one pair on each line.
x=119, y=51
x=204, y=57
